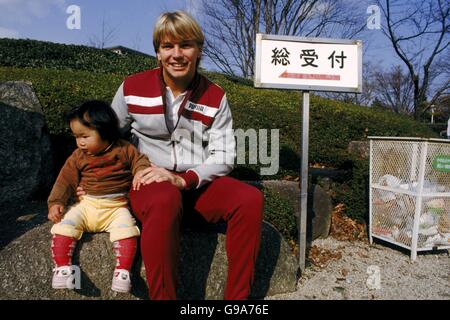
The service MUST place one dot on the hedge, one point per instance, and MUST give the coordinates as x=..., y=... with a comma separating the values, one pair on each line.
x=333, y=124
x=279, y=211
x=41, y=54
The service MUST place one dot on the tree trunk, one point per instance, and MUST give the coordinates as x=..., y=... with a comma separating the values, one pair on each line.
x=416, y=98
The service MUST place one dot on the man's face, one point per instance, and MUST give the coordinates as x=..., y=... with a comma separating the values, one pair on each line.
x=178, y=59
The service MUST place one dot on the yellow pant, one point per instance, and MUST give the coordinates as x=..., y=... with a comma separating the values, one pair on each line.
x=98, y=215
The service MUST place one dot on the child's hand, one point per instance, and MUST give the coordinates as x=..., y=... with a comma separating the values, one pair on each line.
x=80, y=193
x=137, y=180
x=55, y=213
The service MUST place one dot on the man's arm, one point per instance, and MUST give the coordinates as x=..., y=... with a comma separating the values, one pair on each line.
x=120, y=107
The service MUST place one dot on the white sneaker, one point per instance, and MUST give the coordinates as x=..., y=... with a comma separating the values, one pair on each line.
x=121, y=281
x=63, y=278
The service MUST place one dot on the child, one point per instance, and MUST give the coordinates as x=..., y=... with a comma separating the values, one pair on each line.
x=103, y=165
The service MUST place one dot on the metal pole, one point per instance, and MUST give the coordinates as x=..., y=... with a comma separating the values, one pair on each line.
x=432, y=113
x=370, y=189
x=419, y=199
x=304, y=182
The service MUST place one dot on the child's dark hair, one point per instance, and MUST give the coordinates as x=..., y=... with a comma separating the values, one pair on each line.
x=97, y=115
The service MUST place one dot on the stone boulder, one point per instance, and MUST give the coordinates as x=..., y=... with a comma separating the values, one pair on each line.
x=320, y=206
x=25, y=148
x=26, y=267
x=319, y=216
x=359, y=149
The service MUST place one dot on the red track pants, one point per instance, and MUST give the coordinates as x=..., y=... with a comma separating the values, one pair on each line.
x=159, y=207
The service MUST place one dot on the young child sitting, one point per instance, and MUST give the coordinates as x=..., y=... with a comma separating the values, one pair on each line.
x=104, y=166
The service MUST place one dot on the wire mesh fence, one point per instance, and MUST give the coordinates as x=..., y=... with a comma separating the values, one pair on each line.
x=410, y=192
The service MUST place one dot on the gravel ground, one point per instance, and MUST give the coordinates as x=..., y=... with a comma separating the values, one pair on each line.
x=353, y=275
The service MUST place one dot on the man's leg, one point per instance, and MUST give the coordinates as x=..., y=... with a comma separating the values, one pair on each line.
x=241, y=206
x=158, y=206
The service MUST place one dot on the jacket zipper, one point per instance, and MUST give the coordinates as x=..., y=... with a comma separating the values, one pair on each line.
x=183, y=104
x=174, y=157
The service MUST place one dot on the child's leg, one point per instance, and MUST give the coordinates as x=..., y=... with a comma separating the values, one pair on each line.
x=123, y=232
x=62, y=249
x=125, y=250
x=65, y=235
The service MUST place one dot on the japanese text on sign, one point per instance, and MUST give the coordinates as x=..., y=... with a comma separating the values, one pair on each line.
x=308, y=64
x=309, y=56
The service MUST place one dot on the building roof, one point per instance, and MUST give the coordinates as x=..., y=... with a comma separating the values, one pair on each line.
x=127, y=50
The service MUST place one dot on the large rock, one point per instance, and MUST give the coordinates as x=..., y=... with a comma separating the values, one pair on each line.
x=26, y=267
x=359, y=149
x=319, y=218
x=25, y=149
x=320, y=206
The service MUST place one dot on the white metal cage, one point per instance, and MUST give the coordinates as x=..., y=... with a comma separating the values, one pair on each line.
x=410, y=192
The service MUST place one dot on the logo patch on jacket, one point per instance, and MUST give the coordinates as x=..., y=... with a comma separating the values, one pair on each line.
x=196, y=107
x=201, y=109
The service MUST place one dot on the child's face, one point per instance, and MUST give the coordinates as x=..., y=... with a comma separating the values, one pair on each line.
x=88, y=139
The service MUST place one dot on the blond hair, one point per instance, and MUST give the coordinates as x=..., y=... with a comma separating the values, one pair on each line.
x=177, y=25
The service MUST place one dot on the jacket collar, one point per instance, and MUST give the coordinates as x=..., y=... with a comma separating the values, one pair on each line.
x=190, y=89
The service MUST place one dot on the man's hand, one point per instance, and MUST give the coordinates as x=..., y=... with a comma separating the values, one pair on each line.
x=55, y=213
x=157, y=174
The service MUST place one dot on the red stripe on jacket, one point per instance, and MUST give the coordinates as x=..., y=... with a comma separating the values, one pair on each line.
x=192, y=115
x=204, y=92
x=145, y=110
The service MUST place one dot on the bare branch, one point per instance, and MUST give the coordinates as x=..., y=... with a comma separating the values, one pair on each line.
x=106, y=37
x=233, y=25
x=429, y=22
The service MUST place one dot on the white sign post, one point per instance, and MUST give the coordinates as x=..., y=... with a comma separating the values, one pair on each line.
x=306, y=64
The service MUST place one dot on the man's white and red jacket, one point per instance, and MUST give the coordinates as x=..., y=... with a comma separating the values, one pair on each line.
x=200, y=147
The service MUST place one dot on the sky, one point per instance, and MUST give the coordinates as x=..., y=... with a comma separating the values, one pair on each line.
x=46, y=20
x=132, y=21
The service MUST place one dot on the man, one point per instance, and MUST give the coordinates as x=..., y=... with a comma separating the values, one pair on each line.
x=183, y=122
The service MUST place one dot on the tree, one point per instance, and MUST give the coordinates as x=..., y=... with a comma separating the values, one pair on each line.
x=393, y=89
x=107, y=35
x=419, y=33
x=231, y=26
x=366, y=97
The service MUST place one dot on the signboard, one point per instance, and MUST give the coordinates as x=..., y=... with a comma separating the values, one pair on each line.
x=308, y=63
x=442, y=163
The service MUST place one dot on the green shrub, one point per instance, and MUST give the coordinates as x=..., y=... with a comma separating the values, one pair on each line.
x=353, y=192
x=333, y=124
x=59, y=90
x=40, y=54
x=279, y=211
